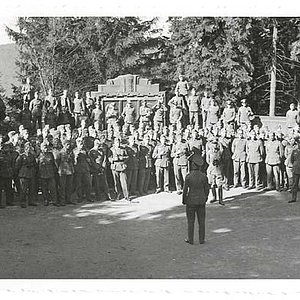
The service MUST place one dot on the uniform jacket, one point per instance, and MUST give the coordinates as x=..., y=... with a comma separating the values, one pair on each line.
x=46, y=165
x=229, y=115
x=295, y=159
x=255, y=151
x=82, y=161
x=64, y=161
x=243, y=115
x=26, y=166
x=213, y=114
x=274, y=152
x=162, y=155
x=288, y=155
x=129, y=115
x=145, y=114
x=194, y=103
x=195, y=188
x=97, y=159
x=238, y=148
x=6, y=164
x=133, y=157
x=180, y=153
x=215, y=160
x=291, y=118
x=118, y=158
x=145, y=156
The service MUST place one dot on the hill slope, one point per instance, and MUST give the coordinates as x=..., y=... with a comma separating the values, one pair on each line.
x=8, y=69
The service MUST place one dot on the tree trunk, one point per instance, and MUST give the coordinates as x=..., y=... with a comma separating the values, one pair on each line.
x=273, y=73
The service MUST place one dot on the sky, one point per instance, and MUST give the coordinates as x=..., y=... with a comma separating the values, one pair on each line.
x=11, y=9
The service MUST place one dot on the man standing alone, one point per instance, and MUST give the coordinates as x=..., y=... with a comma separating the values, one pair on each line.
x=195, y=195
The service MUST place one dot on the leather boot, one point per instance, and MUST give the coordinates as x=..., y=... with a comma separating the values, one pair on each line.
x=220, y=194
x=214, y=192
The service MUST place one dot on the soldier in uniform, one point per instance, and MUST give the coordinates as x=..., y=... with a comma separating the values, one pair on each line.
x=27, y=91
x=132, y=165
x=89, y=103
x=255, y=153
x=112, y=119
x=194, y=108
x=215, y=171
x=213, y=113
x=195, y=195
x=36, y=106
x=205, y=104
x=274, y=155
x=26, y=170
x=180, y=153
x=118, y=157
x=238, y=149
x=82, y=172
x=291, y=145
x=98, y=170
x=97, y=115
x=47, y=174
x=145, y=116
x=64, y=161
x=161, y=154
x=245, y=114
x=229, y=115
x=6, y=174
x=79, y=108
x=25, y=117
x=182, y=87
x=176, y=113
x=159, y=115
x=295, y=160
x=129, y=116
x=145, y=165
x=64, y=103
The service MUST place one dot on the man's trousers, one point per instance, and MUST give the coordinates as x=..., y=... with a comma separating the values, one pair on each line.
x=191, y=211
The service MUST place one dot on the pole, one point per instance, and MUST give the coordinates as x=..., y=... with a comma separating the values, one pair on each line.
x=273, y=72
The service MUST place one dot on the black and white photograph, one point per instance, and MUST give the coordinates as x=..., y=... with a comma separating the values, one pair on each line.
x=148, y=146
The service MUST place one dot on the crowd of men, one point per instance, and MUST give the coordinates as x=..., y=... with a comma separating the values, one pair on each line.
x=73, y=148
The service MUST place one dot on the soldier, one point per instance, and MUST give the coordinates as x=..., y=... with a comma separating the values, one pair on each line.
x=50, y=101
x=194, y=108
x=26, y=170
x=50, y=118
x=118, y=158
x=291, y=145
x=89, y=103
x=98, y=159
x=238, y=149
x=25, y=117
x=129, y=116
x=197, y=147
x=64, y=102
x=6, y=174
x=274, y=155
x=182, y=87
x=176, y=113
x=145, y=164
x=255, y=153
x=225, y=143
x=82, y=172
x=161, y=154
x=97, y=115
x=132, y=165
x=229, y=115
x=111, y=119
x=159, y=115
x=64, y=161
x=205, y=104
x=245, y=114
x=27, y=91
x=291, y=116
x=195, y=195
x=180, y=162
x=35, y=107
x=295, y=160
x=47, y=174
x=213, y=113
x=79, y=108
x=145, y=116
x=215, y=176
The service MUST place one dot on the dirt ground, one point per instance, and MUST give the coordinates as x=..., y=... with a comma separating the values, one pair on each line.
x=256, y=235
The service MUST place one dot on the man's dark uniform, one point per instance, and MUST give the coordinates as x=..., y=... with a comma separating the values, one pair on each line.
x=195, y=194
